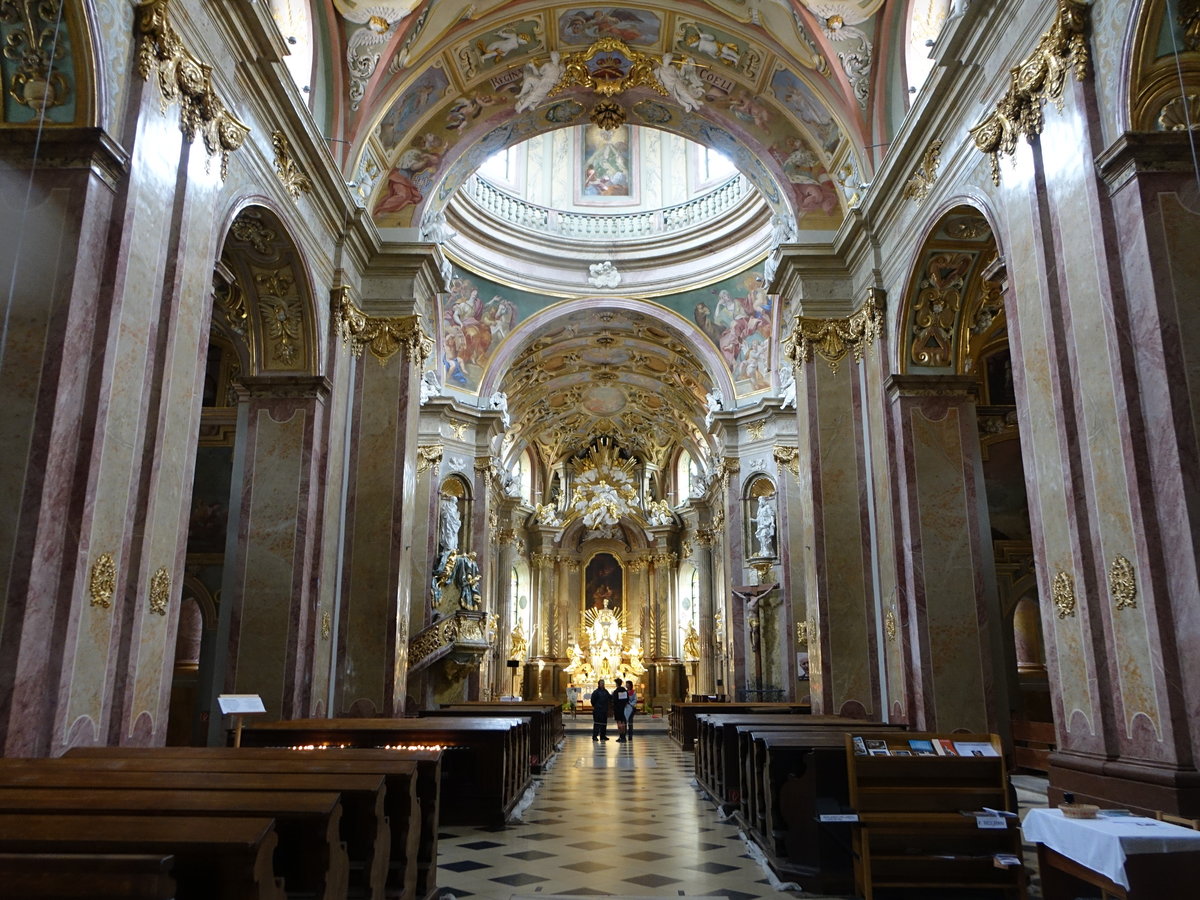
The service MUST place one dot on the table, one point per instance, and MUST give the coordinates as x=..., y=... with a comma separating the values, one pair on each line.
x=1129, y=857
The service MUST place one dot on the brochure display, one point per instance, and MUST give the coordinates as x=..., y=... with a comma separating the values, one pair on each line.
x=933, y=811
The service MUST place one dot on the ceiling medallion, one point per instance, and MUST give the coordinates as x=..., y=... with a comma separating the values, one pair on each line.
x=607, y=115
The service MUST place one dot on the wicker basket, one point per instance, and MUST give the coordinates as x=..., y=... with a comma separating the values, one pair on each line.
x=1079, y=810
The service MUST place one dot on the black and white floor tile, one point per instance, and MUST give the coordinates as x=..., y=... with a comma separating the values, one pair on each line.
x=623, y=820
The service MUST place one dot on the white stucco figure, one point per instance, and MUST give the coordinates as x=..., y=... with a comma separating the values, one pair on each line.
x=764, y=526
x=499, y=400
x=716, y=402
x=787, y=386
x=451, y=525
x=681, y=82
x=604, y=275
x=429, y=387
x=539, y=82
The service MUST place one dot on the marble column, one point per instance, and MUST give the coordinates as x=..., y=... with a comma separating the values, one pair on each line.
x=947, y=617
x=707, y=667
x=271, y=581
x=379, y=598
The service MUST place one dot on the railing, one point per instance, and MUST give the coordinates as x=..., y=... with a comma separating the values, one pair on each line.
x=612, y=226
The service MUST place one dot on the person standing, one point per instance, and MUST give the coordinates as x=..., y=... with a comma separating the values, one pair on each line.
x=601, y=700
x=630, y=709
x=619, y=697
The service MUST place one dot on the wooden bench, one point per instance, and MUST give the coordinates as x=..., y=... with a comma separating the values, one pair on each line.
x=310, y=856
x=485, y=763
x=1033, y=742
x=546, y=729
x=682, y=720
x=68, y=876
x=226, y=857
x=364, y=823
x=411, y=801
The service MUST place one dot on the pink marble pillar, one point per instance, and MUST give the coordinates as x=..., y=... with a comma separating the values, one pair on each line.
x=947, y=613
x=272, y=578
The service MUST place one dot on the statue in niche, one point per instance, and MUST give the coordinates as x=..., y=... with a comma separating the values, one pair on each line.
x=691, y=642
x=451, y=525
x=764, y=526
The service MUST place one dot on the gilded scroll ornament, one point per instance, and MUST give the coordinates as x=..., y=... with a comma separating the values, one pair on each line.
x=184, y=79
x=160, y=591
x=429, y=458
x=921, y=182
x=936, y=309
x=889, y=625
x=755, y=430
x=1063, y=594
x=289, y=172
x=37, y=44
x=382, y=336
x=542, y=560
x=103, y=581
x=1122, y=584
x=789, y=458
x=802, y=634
x=1041, y=76
x=326, y=625
x=834, y=339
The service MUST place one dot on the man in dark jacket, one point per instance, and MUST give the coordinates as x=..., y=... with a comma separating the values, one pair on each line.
x=600, y=701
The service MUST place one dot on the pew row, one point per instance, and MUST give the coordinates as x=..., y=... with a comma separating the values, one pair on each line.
x=485, y=761
x=96, y=876
x=681, y=722
x=364, y=826
x=546, y=725
x=226, y=857
x=411, y=802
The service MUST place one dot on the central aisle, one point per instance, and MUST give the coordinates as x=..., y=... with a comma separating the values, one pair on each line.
x=608, y=818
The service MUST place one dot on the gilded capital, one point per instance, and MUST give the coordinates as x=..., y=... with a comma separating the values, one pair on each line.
x=384, y=337
x=834, y=339
x=1039, y=77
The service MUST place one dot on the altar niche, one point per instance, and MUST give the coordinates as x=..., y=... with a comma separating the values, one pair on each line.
x=604, y=584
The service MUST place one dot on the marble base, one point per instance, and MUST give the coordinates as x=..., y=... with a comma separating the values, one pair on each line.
x=1124, y=784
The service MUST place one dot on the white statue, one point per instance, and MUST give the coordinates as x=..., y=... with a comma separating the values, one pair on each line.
x=764, y=526
x=451, y=524
x=604, y=275
x=429, y=387
x=436, y=229
x=682, y=82
x=716, y=402
x=539, y=82
x=546, y=514
x=499, y=400
x=659, y=513
x=787, y=386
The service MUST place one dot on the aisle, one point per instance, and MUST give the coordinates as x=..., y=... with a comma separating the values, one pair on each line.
x=619, y=819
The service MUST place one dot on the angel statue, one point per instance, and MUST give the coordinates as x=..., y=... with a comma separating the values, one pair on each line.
x=539, y=82
x=787, y=386
x=715, y=401
x=499, y=400
x=691, y=642
x=682, y=82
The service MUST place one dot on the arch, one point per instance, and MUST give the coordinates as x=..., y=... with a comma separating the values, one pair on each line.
x=269, y=299
x=1161, y=80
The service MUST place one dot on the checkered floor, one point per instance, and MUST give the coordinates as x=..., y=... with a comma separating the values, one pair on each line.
x=622, y=820
x=607, y=819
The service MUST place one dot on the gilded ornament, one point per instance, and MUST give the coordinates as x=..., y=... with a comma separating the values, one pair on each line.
x=921, y=182
x=184, y=79
x=789, y=458
x=326, y=625
x=834, y=339
x=290, y=175
x=458, y=429
x=160, y=591
x=382, y=336
x=542, y=560
x=282, y=314
x=1041, y=76
x=802, y=634
x=755, y=430
x=429, y=457
x=103, y=581
x=1122, y=583
x=1063, y=594
x=249, y=228
x=1180, y=114
x=607, y=115
x=936, y=308
x=38, y=45
x=764, y=571
x=1189, y=21
x=889, y=625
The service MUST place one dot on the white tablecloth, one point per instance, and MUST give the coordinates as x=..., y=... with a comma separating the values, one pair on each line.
x=1102, y=844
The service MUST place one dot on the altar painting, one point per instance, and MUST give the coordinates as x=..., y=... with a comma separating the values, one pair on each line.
x=604, y=584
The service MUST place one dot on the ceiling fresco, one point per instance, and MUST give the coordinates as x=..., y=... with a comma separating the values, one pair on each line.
x=786, y=90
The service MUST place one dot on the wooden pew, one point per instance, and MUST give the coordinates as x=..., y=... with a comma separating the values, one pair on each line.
x=95, y=876
x=682, y=720
x=364, y=822
x=310, y=855
x=546, y=728
x=226, y=857
x=413, y=824
x=485, y=766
